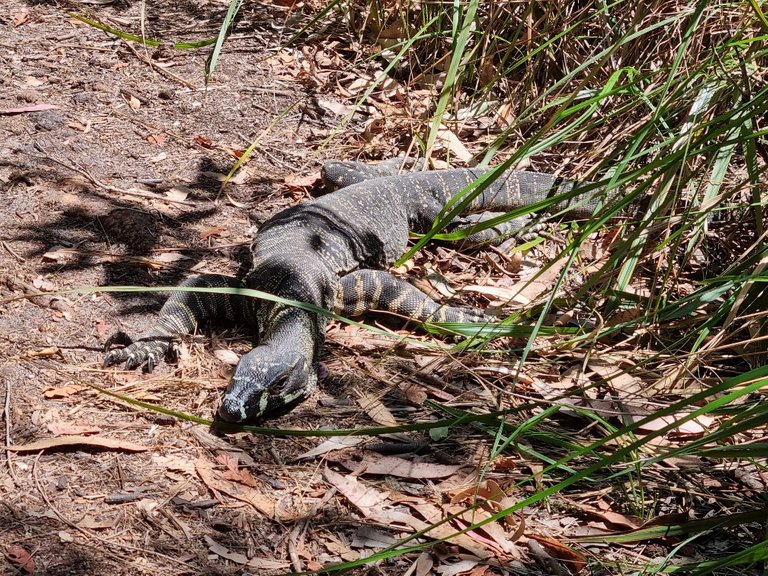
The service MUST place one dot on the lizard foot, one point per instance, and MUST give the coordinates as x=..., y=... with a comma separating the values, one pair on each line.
x=146, y=353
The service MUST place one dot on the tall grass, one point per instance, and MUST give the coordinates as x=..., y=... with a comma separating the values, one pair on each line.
x=663, y=102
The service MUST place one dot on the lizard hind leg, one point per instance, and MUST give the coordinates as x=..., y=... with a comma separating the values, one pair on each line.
x=375, y=290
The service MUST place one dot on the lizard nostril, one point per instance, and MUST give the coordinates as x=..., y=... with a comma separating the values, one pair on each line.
x=232, y=409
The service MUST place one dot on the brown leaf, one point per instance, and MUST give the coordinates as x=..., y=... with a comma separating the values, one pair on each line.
x=303, y=182
x=156, y=139
x=178, y=193
x=25, y=109
x=227, y=357
x=331, y=444
x=64, y=429
x=371, y=503
x=18, y=556
x=72, y=441
x=492, y=534
x=572, y=559
x=203, y=141
x=59, y=254
x=268, y=565
x=169, y=257
x=489, y=498
x=609, y=517
x=368, y=500
x=376, y=410
x=91, y=523
x=689, y=430
x=102, y=328
x=224, y=552
x=432, y=514
x=20, y=18
x=374, y=463
x=213, y=231
x=233, y=472
x=454, y=144
x=62, y=391
x=210, y=478
x=43, y=353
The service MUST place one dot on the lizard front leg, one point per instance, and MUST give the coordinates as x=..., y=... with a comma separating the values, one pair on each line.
x=179, y=316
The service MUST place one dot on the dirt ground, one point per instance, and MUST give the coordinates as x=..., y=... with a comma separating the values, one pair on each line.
x=110, y=173
x=118, y=184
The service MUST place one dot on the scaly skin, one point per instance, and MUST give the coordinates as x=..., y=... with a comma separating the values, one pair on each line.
x=331, y=252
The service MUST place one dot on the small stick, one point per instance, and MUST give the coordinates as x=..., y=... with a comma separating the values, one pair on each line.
x=7, y=416
x=160, y=69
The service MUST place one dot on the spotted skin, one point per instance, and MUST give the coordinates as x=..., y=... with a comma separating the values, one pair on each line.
x=331, y=252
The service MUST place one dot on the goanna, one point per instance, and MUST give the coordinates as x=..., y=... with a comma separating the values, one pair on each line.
x=332, y=252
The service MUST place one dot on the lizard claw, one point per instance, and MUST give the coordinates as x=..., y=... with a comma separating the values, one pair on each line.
x=146, y=353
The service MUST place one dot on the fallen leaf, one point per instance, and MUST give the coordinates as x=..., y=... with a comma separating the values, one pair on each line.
x=211, y=478
x=423, y=565
x=574, y=561
x=91, y=523
x=213, y=231
x=62, y=391
x=43, y=284
x=689, y=430
x=368, y=500
x=25, y=109
x=43, y=353
x=65, y=536
x=492, y=534
x=178, y=193
x=335, y=108
x=236, y=152
x=376, y=410
x=75, y=125
x=370, y=537
x=609, y=517
x=147, y=506
x=169, y=257
x=175, y=464
x=227, y=356
x=331, y=444
x=20, y=18
x=18, y=556
x=72, y=441
x=479, y=502
x=457, y=568
x=223, y=551
x=371, y=503
x=234, y=472
x=432, y=514
x=268, y=565
x=374, y=463
x=454, y=144
x=59, y=254
x=203, y=141
x=102, y=328
x=64, y=429
x=33, y=82
x=156, y=139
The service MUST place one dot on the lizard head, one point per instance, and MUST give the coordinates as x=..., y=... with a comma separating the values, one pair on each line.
x=266, y=380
